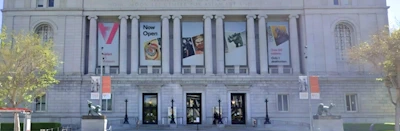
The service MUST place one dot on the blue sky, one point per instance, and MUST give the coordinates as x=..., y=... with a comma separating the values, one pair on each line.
x=394, y=18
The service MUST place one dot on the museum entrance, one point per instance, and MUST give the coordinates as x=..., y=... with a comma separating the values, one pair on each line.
x=193, y=108
x=238, y=108
x=150, y=108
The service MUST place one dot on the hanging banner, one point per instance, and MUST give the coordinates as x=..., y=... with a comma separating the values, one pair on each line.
x=106, y=87
x=108, y=39
x=150, y=43
x=235, y=43
x=192, y=43
x=278, y=43
x=314, y=84
x=303, y=86
x=95, y=87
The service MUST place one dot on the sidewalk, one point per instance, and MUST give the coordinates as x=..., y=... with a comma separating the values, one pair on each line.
x=212, y=128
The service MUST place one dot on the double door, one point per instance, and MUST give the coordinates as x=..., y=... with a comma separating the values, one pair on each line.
x=150, y=105
x=193, y=108
x=238, y=108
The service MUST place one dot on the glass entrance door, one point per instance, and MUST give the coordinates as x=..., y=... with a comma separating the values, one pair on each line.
x=238, y=110
x=150, y=109
x=193, y=108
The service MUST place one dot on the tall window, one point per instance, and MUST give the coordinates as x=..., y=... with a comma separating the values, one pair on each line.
x=51, y=3
x=40, y=103
x=106, y=104
x=283, y=102
x=39, y=3
x=343, y=40
x=351, y=102
x=45, y=32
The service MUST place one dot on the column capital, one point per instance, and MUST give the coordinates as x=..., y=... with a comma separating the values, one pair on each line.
x=176, y=17
x=260, y=16
x=134, y=17
x=165, y=17
x=207, y=16
x=251, y=16
x=293, y=16
x=92, y=17
x=123, y=17
x=219, y=16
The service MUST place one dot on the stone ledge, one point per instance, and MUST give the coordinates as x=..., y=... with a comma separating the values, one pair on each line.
x=93, y=117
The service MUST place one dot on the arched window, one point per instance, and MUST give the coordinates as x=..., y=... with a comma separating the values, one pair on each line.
x=343, y=40
x=45, y=32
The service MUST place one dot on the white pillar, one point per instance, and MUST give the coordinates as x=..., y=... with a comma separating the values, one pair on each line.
x=294, y=44
x=123, y=45
x=134, y=44
x=177, y=44
x=165, y=44
x=92, y=45
x=220, y=53
x=208, y=44
x=262, y=33
x=251, y=42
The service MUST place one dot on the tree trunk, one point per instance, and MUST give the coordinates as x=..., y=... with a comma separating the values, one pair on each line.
x=397, y=112
x=16, y=122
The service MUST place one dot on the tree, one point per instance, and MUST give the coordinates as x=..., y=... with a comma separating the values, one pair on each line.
x=383, y=53
x=27, y=69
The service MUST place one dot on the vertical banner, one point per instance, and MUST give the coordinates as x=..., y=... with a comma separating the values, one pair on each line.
x=303, y=85
x=106, y=87
x=314, y=85
x=278, y=43
x=95, y=87
x=192, y=43
x=108, y=38
x=235, y=43
x=150, y=43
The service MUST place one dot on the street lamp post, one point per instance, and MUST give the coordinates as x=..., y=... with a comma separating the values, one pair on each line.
x=172, y=115
x=126, y=112
x=266, y=113
x=219, y=112
x=101, y=79
x=309, y=93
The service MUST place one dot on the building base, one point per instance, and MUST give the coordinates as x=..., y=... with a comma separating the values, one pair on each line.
x=94, y=123
x=328, y=123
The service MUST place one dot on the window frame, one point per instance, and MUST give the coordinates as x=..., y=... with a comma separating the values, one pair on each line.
x=50, y=1
x=107, y=102
x=356, y=102
x=42, y=103
x=41, y=30
x=278, y=102
x=340, y=41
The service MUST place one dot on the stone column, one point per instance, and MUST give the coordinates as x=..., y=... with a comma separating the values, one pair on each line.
x=177, y=44
x=123, y=44
x=92, y=45
x=165, y=43
x=262, y=33
x=135, y=44
x=294, y=44
x=220, y=53
x=251, y=42
x=208, y=44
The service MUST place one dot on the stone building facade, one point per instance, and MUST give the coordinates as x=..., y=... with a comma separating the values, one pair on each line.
x=279, y=41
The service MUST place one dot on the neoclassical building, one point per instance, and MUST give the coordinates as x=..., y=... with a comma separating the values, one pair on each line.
x=205, y=54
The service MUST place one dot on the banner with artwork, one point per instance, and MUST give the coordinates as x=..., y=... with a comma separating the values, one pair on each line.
x=150, y=43
x=278, y=43
x=192, y=43
x=303, y=87
x=108, y=44
x=235, y=43
x=95, y=87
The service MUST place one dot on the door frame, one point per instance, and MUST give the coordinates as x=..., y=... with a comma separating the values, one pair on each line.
x=201, y=107
x=158, y=113
x=243, y=107
x=247, y=107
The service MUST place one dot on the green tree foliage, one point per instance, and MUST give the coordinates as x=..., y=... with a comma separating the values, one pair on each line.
x=382, y=51
x=27, y=68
